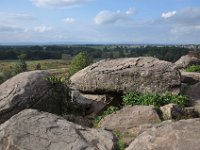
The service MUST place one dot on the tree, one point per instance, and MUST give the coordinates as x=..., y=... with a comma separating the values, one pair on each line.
x=38, y=66
x=80, y=61
x=21, y=65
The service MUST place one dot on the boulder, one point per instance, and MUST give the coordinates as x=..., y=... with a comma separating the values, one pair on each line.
x=142, y=74
x=34, y=130
x=193, y=93
x=173, y=111
x=27, y=90
x=180, y=135
x=190, y=77
x=186, y=61
x=96, y=103
x=129, y=118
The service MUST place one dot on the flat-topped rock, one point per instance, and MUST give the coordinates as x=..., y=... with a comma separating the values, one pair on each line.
x=129, y=119
x=34, y=130
x=180, y=135
x=26, y=90
x=142, y=74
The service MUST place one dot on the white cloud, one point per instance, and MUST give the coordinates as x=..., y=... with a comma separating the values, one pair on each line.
x=59, y=3
x=130, y=11
x=69, y=20
x=108, y=17
x=42, y=29
x=168, y=14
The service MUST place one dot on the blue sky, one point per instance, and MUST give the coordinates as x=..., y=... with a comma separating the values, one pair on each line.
x=100, y=21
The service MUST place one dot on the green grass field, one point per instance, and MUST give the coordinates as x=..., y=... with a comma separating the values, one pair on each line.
x=56, y=67
x=45, y=64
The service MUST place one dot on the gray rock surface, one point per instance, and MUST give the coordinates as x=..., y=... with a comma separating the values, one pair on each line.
x=26, y=90
x=129, y=118
x=186, y=61
x=34, y=130
x=96, y=102
x=142, y=74
x=180, y=135
x=172, y=111
x=193, y=93
x=190, y=77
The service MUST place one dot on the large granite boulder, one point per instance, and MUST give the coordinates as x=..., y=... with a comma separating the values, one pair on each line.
x=27, y=90
x=180, y=135
x=129, y=119
x=34, y=130
x=142, y=74
x=187, y=60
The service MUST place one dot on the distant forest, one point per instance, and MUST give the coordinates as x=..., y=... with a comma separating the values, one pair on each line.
x=169, y=53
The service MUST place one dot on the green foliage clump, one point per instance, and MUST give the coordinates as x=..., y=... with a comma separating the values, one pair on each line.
x=38, y=66
x=60, y=86
x=108, y=111
x=56, y=80
x=62, y=92
x=80, y=61
x=21, y=65
x=121, y=136
x=136, y=98
x=193, y=68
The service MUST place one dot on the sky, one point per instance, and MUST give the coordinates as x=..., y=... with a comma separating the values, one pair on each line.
x=100, y=21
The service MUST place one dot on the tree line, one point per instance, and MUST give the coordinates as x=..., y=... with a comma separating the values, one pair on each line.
x=169, y=53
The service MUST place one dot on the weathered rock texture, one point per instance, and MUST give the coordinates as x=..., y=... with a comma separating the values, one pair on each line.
x=190, y=77
x=173, y=111
x=97, y=103
x=26, y=90
x=181, y=135
x=129, y=118
x=193, y=93
x=186, y=61
x=142, y=74
x=33, y=130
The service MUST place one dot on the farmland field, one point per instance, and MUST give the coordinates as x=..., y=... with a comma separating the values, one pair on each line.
x=6, y=65
x=57, y=67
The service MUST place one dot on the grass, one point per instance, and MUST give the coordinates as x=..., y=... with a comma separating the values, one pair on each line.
x=193, y=68
x=56, y=67
x=135, y=98
x=45, y=64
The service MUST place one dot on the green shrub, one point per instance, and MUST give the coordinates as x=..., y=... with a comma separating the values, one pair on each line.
x=157, y=100
x=193, y=68
x=21, y=65
x=79, y=62
x=61, y=92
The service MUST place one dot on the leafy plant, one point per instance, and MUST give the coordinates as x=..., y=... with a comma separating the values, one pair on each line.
x=61, y=91
x=56, y=80
x=158, y=100
x=21, y=65
x=38, y=66
x=193, y=68
x=79, y=62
